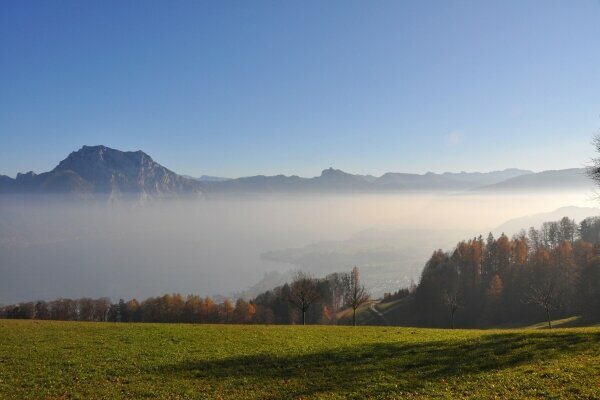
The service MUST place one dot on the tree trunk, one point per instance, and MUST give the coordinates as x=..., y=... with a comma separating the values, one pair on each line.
x=303, y=317
x=452, y=319
x=354, y=317
x=549, y=320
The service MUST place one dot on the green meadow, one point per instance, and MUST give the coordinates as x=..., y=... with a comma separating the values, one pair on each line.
x=74, y=360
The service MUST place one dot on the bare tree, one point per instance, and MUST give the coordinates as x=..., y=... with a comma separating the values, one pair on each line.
x=356, y=293
x=593, y=170
x=452, y=300
x=544, y=294
x=303, y=293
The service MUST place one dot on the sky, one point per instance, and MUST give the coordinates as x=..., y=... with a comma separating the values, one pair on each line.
x=238, y=88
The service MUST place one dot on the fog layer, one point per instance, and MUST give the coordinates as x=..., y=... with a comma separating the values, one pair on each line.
x=52, y=247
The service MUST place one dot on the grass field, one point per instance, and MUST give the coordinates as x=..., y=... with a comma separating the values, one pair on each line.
x=101, y=360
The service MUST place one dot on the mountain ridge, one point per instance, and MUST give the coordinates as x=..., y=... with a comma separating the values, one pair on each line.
x=102, y=170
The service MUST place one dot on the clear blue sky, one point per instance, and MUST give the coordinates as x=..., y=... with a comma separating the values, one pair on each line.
x=235, y=88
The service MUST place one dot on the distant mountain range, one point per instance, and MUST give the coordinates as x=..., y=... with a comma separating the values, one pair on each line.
x=102, y=170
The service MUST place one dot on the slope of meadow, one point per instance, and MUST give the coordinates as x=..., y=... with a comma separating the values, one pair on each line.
x=40, y=359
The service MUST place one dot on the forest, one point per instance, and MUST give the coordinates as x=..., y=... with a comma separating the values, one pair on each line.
x=549, y=272
x=544, y=273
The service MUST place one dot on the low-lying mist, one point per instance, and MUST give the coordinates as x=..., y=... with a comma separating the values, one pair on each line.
x=53, y=247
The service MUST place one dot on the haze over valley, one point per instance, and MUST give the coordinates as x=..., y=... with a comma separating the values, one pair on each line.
x=116, y=224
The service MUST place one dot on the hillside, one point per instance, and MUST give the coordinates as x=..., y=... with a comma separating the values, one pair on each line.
x=101, y=360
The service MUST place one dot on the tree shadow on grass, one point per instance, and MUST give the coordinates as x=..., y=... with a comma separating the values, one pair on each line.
x=383, y=368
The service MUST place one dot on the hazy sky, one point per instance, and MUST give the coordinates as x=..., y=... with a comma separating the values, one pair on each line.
x=236, y=88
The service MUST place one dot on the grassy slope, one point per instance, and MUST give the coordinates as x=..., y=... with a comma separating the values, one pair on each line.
x=102, y=360
x=398, y=313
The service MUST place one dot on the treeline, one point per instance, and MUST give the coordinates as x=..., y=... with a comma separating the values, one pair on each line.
x=167, y=308
x=304, y=300
x=552, y=272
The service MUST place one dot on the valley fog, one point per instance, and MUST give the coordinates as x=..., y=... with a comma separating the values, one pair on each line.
x=51, y=247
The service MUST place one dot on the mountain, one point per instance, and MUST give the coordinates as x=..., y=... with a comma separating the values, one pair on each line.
x=99, y=169
x=335, y=179
x=258, y=183
x=486, y=178
x=207, y=178
x=564, y=179
x=536, y=220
